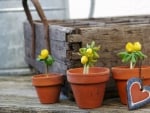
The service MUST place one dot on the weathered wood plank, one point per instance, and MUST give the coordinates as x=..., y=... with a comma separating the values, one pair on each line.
x=58, y=33
x=59, y=49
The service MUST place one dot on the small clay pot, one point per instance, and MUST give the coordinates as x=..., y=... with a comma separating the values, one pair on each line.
x=88, y=89
x=121, y=74
x=48, y=87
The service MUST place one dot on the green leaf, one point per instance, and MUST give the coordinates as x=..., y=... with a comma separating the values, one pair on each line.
x=126, y=58
x=50, y=60
x=38, y=59
x=93, y=44
x=96, y=55
x=141, y=55
x=96, y=48
x=82, y=51
x=133, y=58
x=122, y=54
x=93, y=61
x=87, y=46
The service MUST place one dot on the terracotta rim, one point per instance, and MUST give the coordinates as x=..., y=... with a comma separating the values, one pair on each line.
x=126, y=67
x=119, y=72
x=79, y=71
x=101, y=75
x=51, y=79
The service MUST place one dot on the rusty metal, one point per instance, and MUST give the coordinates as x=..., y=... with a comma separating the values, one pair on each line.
x=32, y=23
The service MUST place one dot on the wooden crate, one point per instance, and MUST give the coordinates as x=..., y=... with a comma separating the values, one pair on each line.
x=67, y=36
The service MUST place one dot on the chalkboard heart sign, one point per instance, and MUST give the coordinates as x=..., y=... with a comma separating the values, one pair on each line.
x=137, y=94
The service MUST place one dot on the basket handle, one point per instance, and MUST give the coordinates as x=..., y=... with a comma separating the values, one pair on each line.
x=43, y=19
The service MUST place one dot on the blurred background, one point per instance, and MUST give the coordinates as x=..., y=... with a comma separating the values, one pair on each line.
x=107, y=8
x=12, y=17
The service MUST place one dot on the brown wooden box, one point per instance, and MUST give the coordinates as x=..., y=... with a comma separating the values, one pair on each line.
x=66, y=37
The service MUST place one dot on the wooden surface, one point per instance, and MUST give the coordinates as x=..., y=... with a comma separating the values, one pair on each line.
x=17, y=95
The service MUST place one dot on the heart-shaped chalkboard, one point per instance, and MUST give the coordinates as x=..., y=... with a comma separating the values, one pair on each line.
x=137, y=94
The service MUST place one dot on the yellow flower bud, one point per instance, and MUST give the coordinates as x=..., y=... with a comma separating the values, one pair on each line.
x=44, y=54
x=84, y=59
x=137, y=46
x=89, y=51
x=129, y=47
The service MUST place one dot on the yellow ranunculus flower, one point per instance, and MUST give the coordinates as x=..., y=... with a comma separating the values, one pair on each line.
x=137, y=46
x=44, y=54
x=129, y=47
x=84, y=59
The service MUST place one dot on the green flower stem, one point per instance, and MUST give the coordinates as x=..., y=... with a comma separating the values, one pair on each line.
x=86, y=69
x=46, y=69
x=131, y=65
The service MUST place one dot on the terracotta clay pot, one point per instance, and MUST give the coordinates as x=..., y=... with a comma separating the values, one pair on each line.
x=88, y=89
x=121, y=74
x=48, y=87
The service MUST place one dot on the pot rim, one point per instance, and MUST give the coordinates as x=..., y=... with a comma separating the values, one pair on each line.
x=80, y=78
x=51, y=79
x=124, y=73
x=72, y=71
x=43, y=75
x=127, y=67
